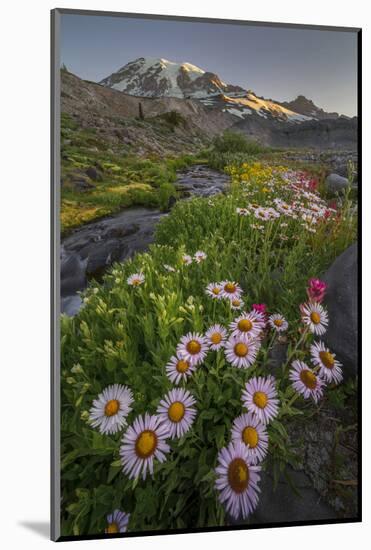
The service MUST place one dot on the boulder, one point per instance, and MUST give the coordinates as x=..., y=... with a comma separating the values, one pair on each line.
x=284, y=504
x=336, y=184
x=72, y=274
x=93, y=173
x=81, y=183
x=341, y=301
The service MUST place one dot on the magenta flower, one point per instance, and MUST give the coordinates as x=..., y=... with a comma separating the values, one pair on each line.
x=316, y=290
x=261, y=308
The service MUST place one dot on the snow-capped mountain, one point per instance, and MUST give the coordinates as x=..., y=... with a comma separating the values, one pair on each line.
x=157, y=77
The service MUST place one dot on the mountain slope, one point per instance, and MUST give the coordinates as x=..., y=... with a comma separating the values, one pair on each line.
x=306, y=107
x=158, y=77
x=116, y=116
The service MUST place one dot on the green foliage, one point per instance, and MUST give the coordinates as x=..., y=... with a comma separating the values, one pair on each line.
x=122, y=179
x=173, y=118
x=165, y=193
x=127, y=335
x=233, y=148
x=233, y=142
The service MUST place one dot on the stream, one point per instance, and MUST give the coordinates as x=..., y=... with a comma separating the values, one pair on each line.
x=89, y=250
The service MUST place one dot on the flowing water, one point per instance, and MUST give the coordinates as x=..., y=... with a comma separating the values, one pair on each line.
x=88, y=251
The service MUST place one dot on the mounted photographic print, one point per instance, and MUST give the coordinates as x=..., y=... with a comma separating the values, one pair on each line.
x=205, y=188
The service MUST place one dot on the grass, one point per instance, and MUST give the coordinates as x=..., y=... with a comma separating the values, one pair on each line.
x=127, y=335
x=121, y=179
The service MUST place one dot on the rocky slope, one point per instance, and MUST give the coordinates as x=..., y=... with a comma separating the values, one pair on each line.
x=147, y=125
x=324, y=134
x=306, y=107
x=143, y=124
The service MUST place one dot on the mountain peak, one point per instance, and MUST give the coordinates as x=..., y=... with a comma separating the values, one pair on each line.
x=305, y=106
x=160, y=77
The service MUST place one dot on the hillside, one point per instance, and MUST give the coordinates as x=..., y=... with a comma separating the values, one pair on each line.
x=116, y=117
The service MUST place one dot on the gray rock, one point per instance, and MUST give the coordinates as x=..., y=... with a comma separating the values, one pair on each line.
x=283, y=504
x=93, y=173
x=82, y=183
x=72, y=274
x=278, y=355
x=336, y=184
x=341, y=301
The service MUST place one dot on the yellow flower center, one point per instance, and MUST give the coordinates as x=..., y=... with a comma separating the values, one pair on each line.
x=216, y=338
x=176, y=411
x=146, y=444
x=278, y=322
x=327, y=359
x=260, y=399
x=136, y=282
x=216, y=290
x=112, y=528
x=241, y=349
x=238, y=475
x=182, y=366
x=315, y=317
x=250, y=436
x=230, y=287
x=112, y=407
x=244, y=325
x=236, y=303
x=309, y=379
x=193, y=347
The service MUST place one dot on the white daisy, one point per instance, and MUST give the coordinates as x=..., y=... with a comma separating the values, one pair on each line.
x=117, y=522
x=260, y=397
x=186, y=259
x=110, y=409
x=200, y=256
x=169, y=268
x=231, y=290
x=236, y=304
x=136, y=279
x=177, y=409
x=248, y=324
x=278, y=322
x=248, y=429
x=193, y=348
x=179, y=369
x=242, y=211
x=216, y=337
x=329, y=367
x=315, y=317
x=305, y=381
x=214, y=290
x=261, y=213
x=142, y=443
x=241, y=352
x=237, y=480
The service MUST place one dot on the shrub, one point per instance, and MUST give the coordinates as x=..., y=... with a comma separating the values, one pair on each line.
x=234, y=142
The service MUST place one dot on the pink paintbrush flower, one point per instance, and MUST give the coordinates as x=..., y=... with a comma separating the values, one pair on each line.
x=316, y=290
x=261, y=308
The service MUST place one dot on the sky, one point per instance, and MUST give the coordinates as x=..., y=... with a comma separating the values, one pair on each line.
x=275, y=62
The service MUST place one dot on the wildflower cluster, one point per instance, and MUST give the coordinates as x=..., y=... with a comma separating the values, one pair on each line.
x=171, y=406
x=147, y=439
